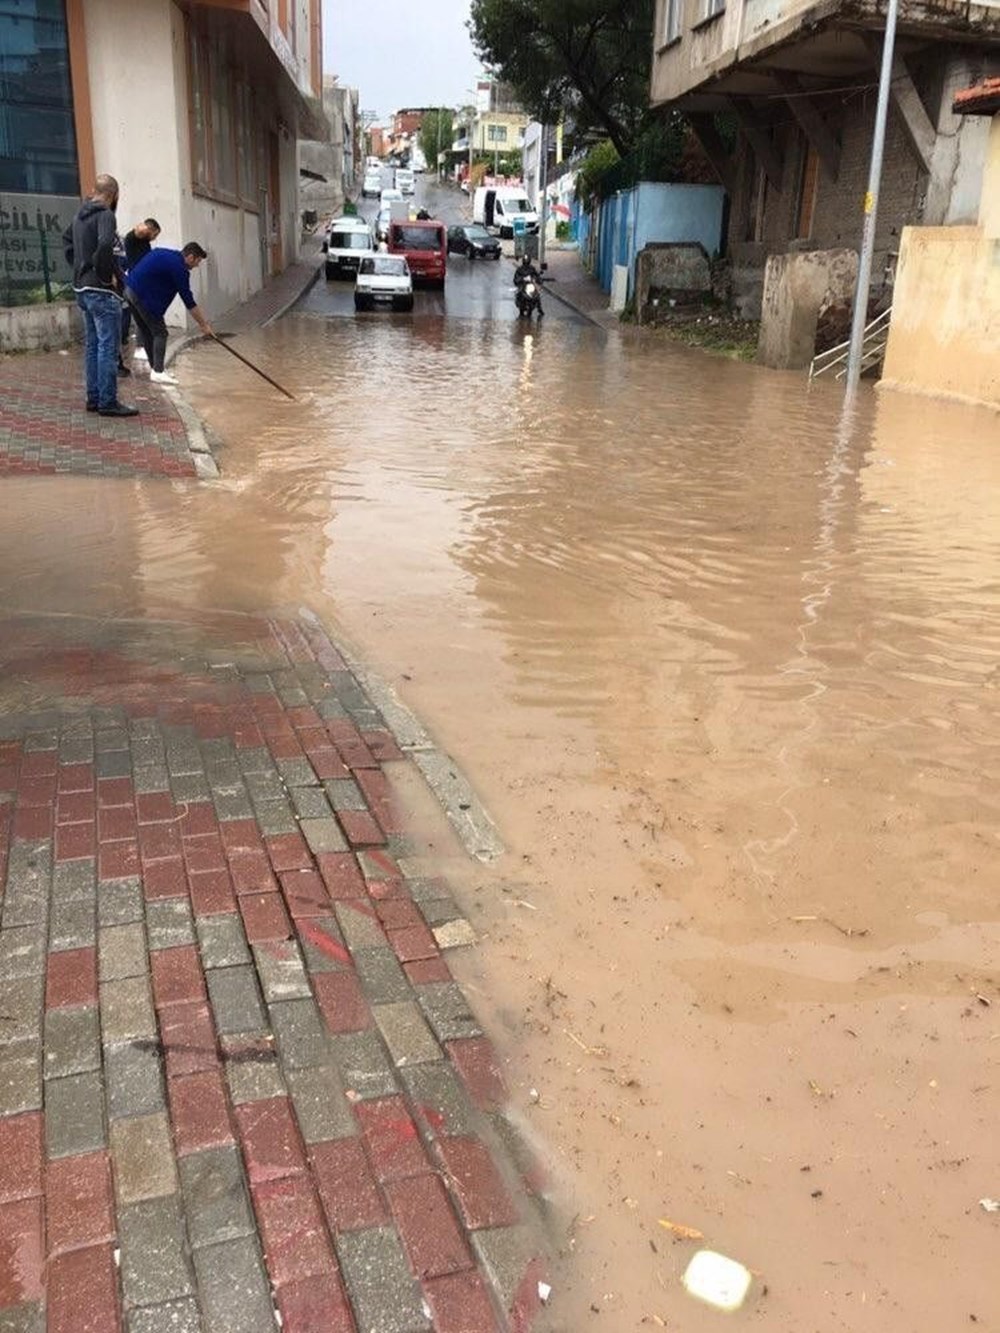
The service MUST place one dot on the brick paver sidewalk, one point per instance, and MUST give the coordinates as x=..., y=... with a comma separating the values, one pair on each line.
x=45, y=427
x=237, y=1080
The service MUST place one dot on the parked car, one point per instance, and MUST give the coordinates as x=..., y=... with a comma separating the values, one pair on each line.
x=474, y=241
x=348, y=239
x=404, y=180
x=389, y=196
x=372, y=186
x=383, y=280
x=424, y=245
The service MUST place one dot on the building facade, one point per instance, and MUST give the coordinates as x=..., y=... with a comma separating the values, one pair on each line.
x=196, y=108
x=795, y=82
x=329, y=168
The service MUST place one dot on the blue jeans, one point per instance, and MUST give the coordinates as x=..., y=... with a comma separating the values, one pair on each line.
x=102, y=331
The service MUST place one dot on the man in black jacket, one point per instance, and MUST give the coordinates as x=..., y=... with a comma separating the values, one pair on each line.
x=90, y=246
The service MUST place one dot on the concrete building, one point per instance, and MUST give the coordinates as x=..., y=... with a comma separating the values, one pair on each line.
x=330, y=167
x=195, y=107
x=944, y=333
x=796, y=80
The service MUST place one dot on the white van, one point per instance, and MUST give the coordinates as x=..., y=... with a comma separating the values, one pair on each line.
x=496, y=207
x=404, y=180
x=348, y=239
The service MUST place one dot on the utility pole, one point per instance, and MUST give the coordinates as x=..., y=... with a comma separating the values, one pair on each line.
x=543, y=186
x=855, y=353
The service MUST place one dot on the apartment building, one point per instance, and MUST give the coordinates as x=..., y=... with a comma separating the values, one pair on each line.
x=195, y=106
x=782, y=94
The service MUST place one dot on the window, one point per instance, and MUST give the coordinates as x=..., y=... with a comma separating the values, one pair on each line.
x=672, y=14
x=37, y=135
x=713, y=7
x=497, y=133
x=225, y=159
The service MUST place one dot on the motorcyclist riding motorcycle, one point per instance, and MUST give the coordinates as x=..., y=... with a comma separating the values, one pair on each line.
x=528, y=282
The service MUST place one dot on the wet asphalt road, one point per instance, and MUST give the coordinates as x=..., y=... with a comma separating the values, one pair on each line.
x=480, y=290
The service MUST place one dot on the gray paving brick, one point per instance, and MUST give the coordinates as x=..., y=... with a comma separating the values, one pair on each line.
x=183, y=757
x=364, y=1064
x=381, y=976
x=108, y=740
x=232, y=803
x=448, y=1011
x=222, y=941
x=148, y=750
x=223, y=774
x=172, y=1317
x=143, y=1158
x=121, y=952
x=439, y=910
x=442, y=1104
x=323, y=835
x=113, y=764
x=504, y=1254
x=215, y=1197
x=275, y=817
x=154, y=1265
x=25, y=1318
x=21, y=1009
x=75, y=879
x=133, y=1078
x=281, y=972
x=29, y=876
x=72, y=1041
x=426, y=890
x=344, y=794
x=169, y=923
x=127, y=1011
x=360, y=929
x=316, y=959
x=310, y=803
x=406, y=1034
x=74, y=1114
x=254, y=759
x=264, y=785
x=20, y=1078
x=384, y=1293
x=76, y=749
x=254, y=1080
x=73, y=924
x=297, y=773
x=302, y=1036
x=322, y=1109
x=233, y=1286
x=22, y=951
x=119, y=903
x=235, y=999
x=186, y=788
x=150, y=778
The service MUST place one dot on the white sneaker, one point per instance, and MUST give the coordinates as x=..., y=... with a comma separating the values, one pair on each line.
x=162, y=377
x=140, y=354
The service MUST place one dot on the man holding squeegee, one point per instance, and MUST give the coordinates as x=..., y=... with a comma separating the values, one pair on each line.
x=152, y=285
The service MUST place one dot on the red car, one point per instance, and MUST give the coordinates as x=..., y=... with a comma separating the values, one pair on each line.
x=425, y=246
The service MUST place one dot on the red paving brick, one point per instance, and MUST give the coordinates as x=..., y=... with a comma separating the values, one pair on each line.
x=342, y=1001
x=74, y=807
x=83, y=1292
x=425, y=970
x=460, y=1303
x=482, y=1196
x=164, y=879
x=251, y=872
x=412, y=943
x=21, y=1256
x=116, y=821
x=198, y=1112
x=212, y=893
x=20, y=1156
x=305, y=893
x=296, y=1244
x=71, y=978
x=288, y=851
x=360, y=829
x=479, y=1069
x=76, y=778
x=427, y=1225
x=177, y=975
x=341, y=875
x=78, y=1202
x=391, y=1138
x=155, y=807
x=399, y=913
x=118, y=860
x=314, y=1304
x=75, y=841
x=198, y=819
x=270, y=1139
x=188, y=1038
x=115, y=791
x=264, y=917
x=347, y=1187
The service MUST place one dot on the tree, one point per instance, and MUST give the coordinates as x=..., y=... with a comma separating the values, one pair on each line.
x=586, y=60
x=436, y=134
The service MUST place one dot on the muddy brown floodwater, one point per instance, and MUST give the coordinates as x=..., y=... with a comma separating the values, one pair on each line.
x=725, y=668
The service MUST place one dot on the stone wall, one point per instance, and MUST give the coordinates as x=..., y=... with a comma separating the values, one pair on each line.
x=670, y=273
x=798, y=288
x=34, y=328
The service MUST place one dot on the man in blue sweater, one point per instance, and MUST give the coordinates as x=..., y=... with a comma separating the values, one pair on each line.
x=152, y=285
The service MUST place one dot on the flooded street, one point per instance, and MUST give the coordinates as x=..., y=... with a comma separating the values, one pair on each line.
x=724, y=666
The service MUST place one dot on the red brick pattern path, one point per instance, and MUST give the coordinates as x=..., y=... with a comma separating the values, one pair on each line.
x=237, y=1080
x=45, y=428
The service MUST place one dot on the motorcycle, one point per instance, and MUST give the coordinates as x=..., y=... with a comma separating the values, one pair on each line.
x=528, y=297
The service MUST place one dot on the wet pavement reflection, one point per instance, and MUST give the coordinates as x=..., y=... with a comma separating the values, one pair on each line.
x=725, y=665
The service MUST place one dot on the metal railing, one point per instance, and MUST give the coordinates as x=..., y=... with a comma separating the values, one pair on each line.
x=872, y=350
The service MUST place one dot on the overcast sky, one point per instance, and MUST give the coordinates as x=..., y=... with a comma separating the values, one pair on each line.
x=400, y=52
